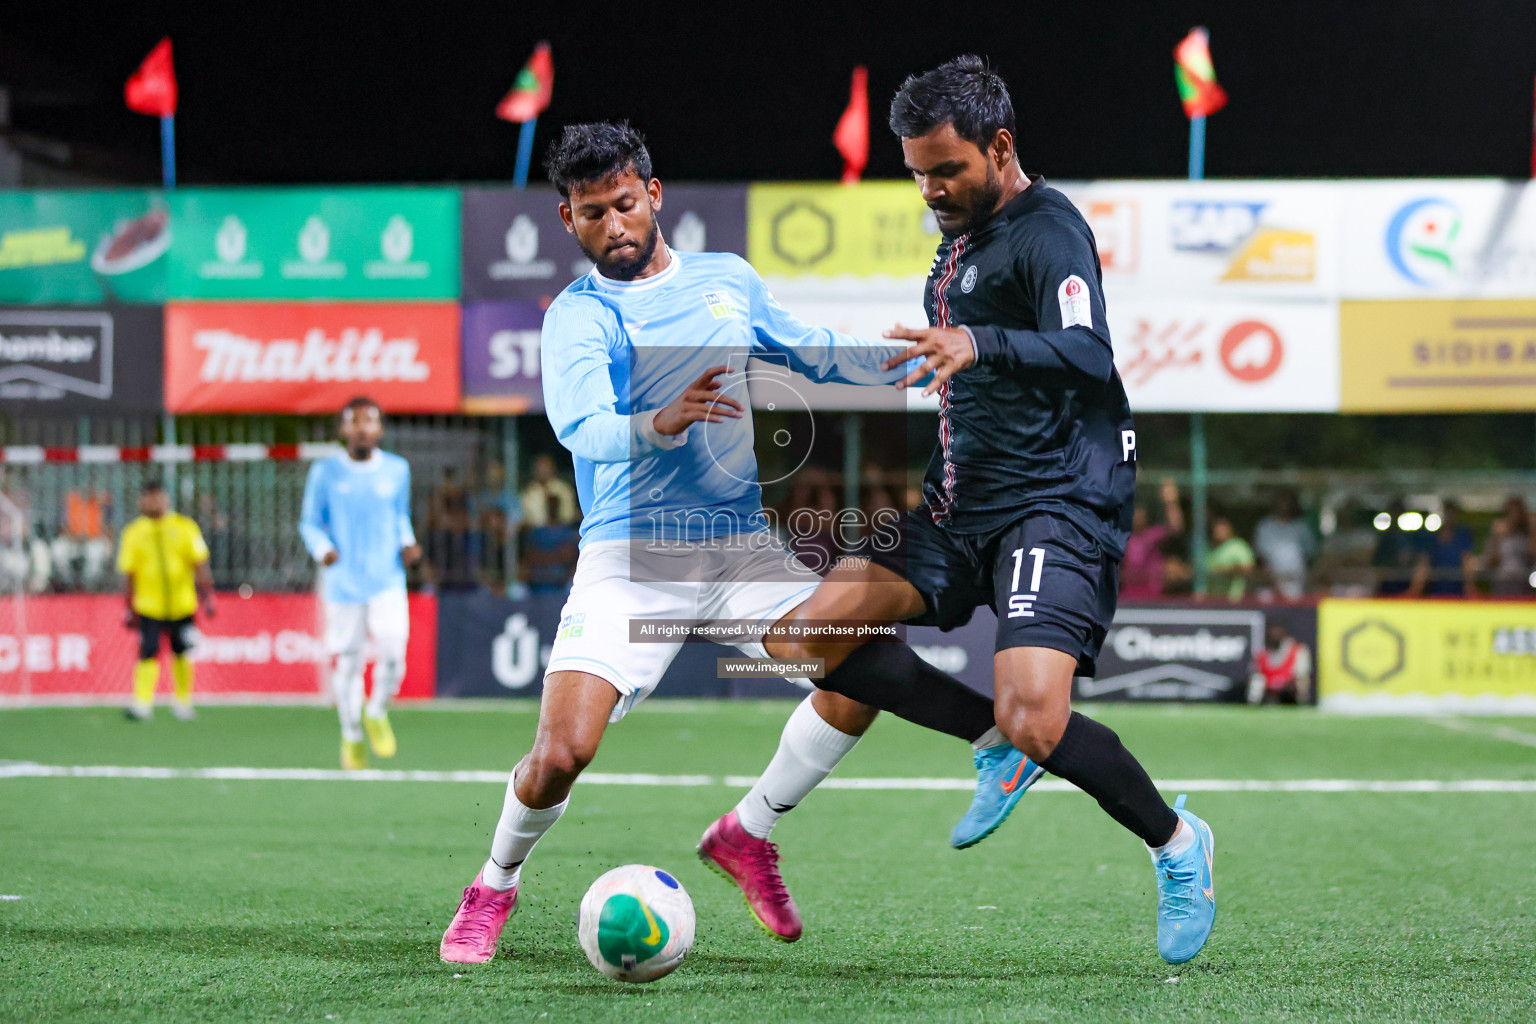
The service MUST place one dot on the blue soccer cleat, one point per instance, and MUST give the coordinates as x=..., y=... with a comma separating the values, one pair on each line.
x=1003, y=774
x=1186, y=892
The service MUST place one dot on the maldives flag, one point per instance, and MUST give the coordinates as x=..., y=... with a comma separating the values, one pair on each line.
x=1196, y=76
x=851, y=136
x=152, y=89
x=531, y=91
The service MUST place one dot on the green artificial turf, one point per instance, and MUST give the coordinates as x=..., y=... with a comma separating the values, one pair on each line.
x=198, y=899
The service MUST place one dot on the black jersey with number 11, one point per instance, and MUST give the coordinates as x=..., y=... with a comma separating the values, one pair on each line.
x=1040, y=422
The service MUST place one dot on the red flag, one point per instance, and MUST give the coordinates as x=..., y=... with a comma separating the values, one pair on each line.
x=851, y=136
x=1196, y=77
x=152, y=89
x=531, y=91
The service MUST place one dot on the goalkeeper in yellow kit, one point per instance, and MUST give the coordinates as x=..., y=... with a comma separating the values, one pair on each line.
x=165, y=560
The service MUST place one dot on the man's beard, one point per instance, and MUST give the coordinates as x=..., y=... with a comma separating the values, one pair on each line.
x=626, y=268
x=983, y=204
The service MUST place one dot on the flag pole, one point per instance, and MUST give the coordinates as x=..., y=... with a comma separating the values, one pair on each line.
x=168, y=151
x=1197, y=147
x=524, y=153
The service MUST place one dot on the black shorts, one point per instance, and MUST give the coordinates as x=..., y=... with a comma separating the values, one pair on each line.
x=1050, y=581
x=179, y=631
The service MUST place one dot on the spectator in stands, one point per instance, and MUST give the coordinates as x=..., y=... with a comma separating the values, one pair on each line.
x=548, y=563
x=1286, y=544
x=82, y=552
x=1344, y=562
x=1446, y=565
x=498, y=512
x=538, y=509
x=1144, y=570
x=452, y=546
x=1230, y=563
x=1509, y=556
x=1282, y=671
x=1397, y=551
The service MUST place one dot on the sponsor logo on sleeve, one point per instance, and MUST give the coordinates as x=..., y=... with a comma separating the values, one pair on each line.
x=1076, y=307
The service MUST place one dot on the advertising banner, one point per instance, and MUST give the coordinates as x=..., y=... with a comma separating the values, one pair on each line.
x=83, y=247
x=345, y=243
x=517, y=248
x=1438, y=355
x=501, y=358
x=1210, y=239
x=1427, y=238
x=266, y=644
x=1184, y=653
x=491, y=646
x=1424, y=657
x=877, y=228
x=80, y=360
x=311, y=358
x=1211, y=356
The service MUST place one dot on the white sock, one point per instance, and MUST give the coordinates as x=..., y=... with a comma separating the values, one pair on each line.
x=347, y=686
x=1183, y=839
x=808, y=751
x=518, y=831
x=993, y=737
x=388, y=673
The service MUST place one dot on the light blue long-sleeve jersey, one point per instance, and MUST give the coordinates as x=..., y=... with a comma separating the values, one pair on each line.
x=615, y=352
x=362, y=511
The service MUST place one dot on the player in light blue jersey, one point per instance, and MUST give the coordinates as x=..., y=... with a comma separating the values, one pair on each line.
x=356, y=522
x=641, y=360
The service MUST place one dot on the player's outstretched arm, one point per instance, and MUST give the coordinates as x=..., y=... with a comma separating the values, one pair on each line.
x=820, y=353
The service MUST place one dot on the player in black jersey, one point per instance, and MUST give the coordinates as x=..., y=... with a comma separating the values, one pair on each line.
x=1028, y=496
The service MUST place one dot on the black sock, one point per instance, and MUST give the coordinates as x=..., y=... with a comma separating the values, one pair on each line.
x=1091, y=757
x=890, y=676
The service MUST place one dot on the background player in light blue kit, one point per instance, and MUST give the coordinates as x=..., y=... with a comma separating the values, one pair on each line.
x=356, y=522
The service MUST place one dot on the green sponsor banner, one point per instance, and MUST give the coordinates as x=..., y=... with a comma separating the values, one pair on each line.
x=346, y=243
x=83, y=247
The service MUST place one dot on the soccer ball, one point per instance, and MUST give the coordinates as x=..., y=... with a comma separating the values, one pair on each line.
x=636, y=923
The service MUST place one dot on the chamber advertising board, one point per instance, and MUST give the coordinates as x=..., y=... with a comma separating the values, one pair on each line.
x=79, y=360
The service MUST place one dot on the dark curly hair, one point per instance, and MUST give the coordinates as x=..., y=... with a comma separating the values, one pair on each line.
x=964, y=92
x=587, y=153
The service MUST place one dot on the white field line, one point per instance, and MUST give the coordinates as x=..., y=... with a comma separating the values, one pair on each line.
x=32, y=770
x=1496, y=732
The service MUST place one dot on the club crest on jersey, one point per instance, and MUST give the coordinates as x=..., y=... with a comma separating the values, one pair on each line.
x=1076, y=308
x=969, y=280
x=721, y=304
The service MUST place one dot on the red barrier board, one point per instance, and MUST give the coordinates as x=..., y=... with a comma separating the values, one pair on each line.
x=266, y=644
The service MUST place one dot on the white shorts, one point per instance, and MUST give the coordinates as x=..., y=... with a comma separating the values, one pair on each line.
x=385, y=619
x=759, y=583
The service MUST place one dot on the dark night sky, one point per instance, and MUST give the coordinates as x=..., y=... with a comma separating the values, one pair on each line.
x=391, y=91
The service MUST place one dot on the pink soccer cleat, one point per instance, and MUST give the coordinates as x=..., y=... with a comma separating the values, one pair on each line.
x=476, y=927
x=753, y=864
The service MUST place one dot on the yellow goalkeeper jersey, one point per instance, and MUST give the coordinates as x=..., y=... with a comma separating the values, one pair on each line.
x=161, y=556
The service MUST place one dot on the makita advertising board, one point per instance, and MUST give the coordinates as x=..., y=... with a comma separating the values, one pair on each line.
x=311, y=357
x=80, y=360
x=517, y=247
x=1187, y=652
